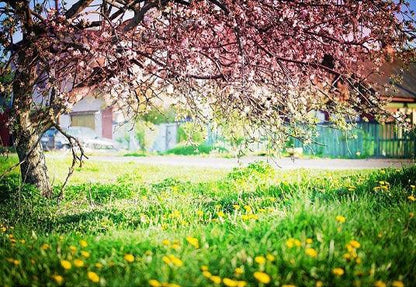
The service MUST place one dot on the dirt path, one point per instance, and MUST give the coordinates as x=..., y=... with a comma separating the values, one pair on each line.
x=284, y=163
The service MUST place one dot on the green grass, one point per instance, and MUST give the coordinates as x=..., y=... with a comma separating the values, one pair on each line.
x=174, y=223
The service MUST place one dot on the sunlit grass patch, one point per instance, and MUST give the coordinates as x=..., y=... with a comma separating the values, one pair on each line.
x=254, y=226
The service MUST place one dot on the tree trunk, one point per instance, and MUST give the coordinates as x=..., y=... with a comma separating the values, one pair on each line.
x=33, y=166
x=28, y=124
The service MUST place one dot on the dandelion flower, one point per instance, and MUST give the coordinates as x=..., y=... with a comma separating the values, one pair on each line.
x=206, y=274
x=262, y=277
x=98, y=265
x=379, y=284
x=229, y=282
x=411, y=198
x=260, y=260
x=215, y=279
x=340, y=218
x=355, y=244
x=58, y=279
x=241, y=283
x=193, y=241
x=338, y=271
x=239, y=271
x=73, y=249
x=93, y=277
x=78, y=263
x=311, y=252
x=154, y=283
x=288, y=285
x=129, y=258
x=309, y=241
x=86, y=254
x=270, y=257
x=83, y=243
x=66, y=264
x=319, y=284
x=45, y=246
x=397, y=283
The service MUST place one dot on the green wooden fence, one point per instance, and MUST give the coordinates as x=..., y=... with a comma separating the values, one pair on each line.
x=367, y=140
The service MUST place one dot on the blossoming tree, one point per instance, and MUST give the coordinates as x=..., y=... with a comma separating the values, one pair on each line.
x=264, y=62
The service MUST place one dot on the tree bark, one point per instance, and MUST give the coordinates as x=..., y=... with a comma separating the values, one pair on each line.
x=33, y=167
x=28, y=124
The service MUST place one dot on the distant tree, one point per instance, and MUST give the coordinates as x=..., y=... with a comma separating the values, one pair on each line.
x=268, y=62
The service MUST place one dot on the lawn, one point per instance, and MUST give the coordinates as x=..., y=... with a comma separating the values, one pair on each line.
x=132, y=225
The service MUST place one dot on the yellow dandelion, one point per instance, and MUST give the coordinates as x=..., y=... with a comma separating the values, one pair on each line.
x=78, y=263
x=309, y=241
x=204, y=268
x=129, y=258
x=193, y=241
x=247, y=208
x=86, y=254
x=241, y=283
x=98, y=265
x=229, y=282
x=83, y=243
x=397, y=283
x=289, y=243
x=260, y=260
x=16, y=262
x=93, y=277
x=340, y=218
x=270, y=257
x=45, y=246
x=66, y=264
x=58, y=279
x=166, y=242
x=262, y=277
x=338, y=271
x=154, y=283
x=200, y=213
x=239, y=271
x=206, y=274
x=215, y=279
x=379, y=284
x=176, y=246
x=73, y=249
x=319, y=284
x=411, y=198
x=311, y=252
x=236, y=206
x=220, y=214
x=288, y=285
x=347, y=256
x=177, y=262
x=355, y=244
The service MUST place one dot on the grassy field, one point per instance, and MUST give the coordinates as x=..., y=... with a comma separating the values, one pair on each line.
x=133, y=225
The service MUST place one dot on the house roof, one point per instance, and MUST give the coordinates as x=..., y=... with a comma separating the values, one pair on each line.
x=402, y=78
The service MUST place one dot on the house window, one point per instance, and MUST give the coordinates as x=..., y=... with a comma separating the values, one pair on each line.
x=83, y=120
